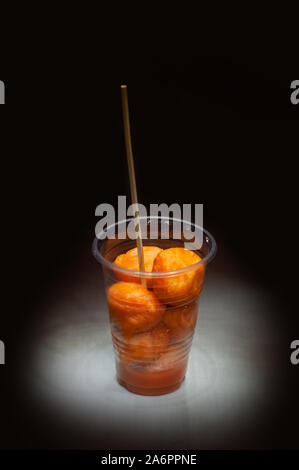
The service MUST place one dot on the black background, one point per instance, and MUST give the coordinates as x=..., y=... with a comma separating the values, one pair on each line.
x=215, y=128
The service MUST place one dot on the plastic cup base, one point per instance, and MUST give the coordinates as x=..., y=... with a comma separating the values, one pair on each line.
x=150, y=391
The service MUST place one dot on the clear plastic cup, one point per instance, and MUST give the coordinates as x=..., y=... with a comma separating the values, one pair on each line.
x=152, y=315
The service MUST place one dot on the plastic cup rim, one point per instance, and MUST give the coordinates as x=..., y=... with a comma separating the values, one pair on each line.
x=150, y=275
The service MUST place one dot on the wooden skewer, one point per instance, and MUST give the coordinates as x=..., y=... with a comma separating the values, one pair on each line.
x=126, y=119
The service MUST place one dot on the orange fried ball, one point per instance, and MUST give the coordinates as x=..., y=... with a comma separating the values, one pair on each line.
x=179, y=288
x=181, y=321
x=129, y=260
x=133, y=307
x=146, y=347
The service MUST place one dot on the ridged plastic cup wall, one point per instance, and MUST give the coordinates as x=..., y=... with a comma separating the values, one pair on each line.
x=152, y=315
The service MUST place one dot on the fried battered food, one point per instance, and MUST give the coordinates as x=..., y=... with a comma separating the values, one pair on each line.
x=181, y=321
x=146, y=347
x=133, y=307
x=178, y=289
x=129, y=260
